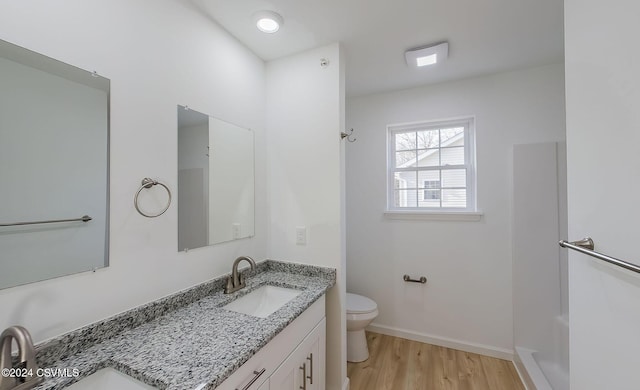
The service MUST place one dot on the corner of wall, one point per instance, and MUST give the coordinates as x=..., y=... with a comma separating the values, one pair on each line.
x=305, y=160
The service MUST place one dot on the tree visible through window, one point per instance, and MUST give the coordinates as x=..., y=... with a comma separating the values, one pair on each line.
x=431, y=166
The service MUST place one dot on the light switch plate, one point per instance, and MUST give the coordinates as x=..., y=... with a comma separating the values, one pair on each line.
x=301, y=235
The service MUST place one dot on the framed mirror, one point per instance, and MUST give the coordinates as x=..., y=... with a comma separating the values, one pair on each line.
x=54, y=168
x=215, y=180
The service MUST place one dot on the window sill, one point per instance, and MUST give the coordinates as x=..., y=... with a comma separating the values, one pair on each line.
x=470, y=216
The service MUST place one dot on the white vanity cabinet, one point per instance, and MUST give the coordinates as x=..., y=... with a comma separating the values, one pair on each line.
x=304, y=368
x=265, y=386
x=277, y=366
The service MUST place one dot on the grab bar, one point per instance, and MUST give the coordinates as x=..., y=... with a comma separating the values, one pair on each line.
x=407, y=278
x=586, y=246
x=84, y=218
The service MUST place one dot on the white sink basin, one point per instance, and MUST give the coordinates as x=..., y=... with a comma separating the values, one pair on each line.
x=263, y=301
x=109, y=379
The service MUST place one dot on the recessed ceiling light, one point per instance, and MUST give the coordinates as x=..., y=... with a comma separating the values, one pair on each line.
x=268, y=21
x=427, y=60
x=427, y=55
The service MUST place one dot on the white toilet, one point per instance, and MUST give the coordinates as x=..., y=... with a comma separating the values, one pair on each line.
x=360, y=312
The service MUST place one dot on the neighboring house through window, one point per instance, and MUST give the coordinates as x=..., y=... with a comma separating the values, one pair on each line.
x=431, y=166
x=432, y=190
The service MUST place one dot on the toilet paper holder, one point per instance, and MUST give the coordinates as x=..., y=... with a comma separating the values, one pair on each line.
x=407, y=278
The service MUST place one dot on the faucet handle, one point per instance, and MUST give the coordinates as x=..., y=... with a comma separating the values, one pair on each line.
x=228, y=288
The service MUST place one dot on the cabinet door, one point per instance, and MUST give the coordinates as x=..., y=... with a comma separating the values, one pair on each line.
x=289, y=375
x=315, y=358
x=304, y=369
x=265, y=386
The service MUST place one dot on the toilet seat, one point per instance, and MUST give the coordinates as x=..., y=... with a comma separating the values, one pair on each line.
x=358, y=304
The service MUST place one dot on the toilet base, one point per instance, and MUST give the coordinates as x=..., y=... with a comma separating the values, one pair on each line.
x=357, y=348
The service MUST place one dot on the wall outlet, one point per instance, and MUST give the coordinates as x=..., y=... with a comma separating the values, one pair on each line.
x=235, y=230
x=301, y=235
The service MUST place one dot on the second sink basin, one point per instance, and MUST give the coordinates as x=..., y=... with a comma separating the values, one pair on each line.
x=263, y=301
x=109, y=379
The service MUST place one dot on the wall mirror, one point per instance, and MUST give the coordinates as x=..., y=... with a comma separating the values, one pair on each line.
x=215, y=180
x=54, y=137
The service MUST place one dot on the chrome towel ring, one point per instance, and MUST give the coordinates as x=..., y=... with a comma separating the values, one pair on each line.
x=148, y=183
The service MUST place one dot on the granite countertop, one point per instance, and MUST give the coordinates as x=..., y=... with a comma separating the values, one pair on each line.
x=185, y=340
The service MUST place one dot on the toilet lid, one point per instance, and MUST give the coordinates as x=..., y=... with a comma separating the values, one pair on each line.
x=359, y=304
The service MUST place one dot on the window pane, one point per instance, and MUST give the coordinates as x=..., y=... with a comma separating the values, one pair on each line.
x=429, y=158
x=428, y=139
x=431, y=194
x=405, y=179
x=452, y=136
x=405, y=198
x=452, y=156
x=431, y=198
x=428, y=179
x=405, y=159
x=454, y=178
x=405, y=141
x=429, y=188
x=454, y=198
x=398, y=182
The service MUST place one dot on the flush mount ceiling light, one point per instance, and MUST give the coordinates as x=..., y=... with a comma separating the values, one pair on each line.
x=268, y=21
x=427, y=55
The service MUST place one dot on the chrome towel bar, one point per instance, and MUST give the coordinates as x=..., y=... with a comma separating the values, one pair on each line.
x=586, y=246
x=84, y=218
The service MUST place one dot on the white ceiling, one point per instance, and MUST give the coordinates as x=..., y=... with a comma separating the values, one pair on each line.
x=485, y=36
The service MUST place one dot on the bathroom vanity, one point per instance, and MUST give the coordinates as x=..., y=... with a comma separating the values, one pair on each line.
x=191, y=341
x=294, y=359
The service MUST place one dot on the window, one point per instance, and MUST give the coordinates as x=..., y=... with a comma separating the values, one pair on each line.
x=430, y=166
x=432, y=189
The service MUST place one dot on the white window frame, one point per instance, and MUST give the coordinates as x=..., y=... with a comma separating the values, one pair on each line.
x=471, y=211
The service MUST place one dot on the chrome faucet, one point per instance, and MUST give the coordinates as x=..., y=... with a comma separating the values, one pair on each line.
x=235, y=282
x=27, y=368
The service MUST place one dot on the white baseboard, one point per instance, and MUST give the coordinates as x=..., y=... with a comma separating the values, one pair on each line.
x=480, y=349
x=522, y=372
x=529, y=371
x=345, y=385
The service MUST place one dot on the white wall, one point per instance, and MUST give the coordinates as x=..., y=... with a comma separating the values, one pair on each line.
x=157, y=54
x=535, y=246
x=539, y=274
x=467, y=302
x=304, y=120
x=603, y=95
